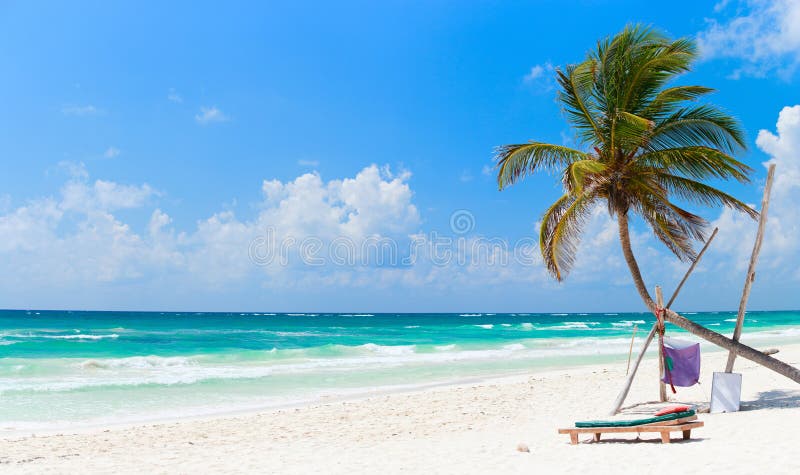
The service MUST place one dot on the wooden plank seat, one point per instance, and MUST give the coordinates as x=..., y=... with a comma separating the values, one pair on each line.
x=684, y=425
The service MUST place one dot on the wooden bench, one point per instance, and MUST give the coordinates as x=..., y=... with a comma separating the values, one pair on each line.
x=685, y=425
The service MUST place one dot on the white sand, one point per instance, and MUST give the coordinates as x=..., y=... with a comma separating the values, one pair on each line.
x=473, y=428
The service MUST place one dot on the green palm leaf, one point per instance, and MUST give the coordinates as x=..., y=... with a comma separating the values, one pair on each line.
x=514, y=162
x=560, y=233
x=649, y=143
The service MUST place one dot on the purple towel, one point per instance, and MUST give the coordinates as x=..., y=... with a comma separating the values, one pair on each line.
x=682, y=365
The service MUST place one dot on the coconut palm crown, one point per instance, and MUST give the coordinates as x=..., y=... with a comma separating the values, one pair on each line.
x=643, y=144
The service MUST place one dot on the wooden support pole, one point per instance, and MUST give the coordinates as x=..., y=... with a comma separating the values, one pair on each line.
x=751, y=270
x=691, y=268
x=624, y=392
x=627, y=387
x=630, y=350
x=662, y=389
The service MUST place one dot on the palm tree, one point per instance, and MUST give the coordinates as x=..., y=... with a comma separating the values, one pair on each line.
x=646, y=147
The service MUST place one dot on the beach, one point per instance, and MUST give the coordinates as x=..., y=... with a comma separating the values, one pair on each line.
x=473, y=427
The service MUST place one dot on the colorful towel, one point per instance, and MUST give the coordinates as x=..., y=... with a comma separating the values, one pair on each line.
x=634, y=422
x=682, y=362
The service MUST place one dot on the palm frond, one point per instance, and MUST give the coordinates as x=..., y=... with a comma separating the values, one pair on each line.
x=560, y=232
x=700, y=193
x=577, y=174
x=665, y=102
x=516, y=161
x=697, y=161
x=703, y=125
x=577, y=103
x=630, y=130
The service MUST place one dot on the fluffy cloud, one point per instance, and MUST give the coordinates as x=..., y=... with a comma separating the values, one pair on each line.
x=780, y=250
x=764, y=36
x=76, y=240
x=310, y=235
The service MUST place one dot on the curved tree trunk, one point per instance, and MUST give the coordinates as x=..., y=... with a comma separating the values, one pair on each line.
x=718, y=339
x=633, y=266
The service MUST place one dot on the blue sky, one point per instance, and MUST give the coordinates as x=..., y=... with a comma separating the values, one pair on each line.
x=145, y=146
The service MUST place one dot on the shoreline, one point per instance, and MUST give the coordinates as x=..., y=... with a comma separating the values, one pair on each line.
x=455, y=428
x=356, y=396
x=347, y=396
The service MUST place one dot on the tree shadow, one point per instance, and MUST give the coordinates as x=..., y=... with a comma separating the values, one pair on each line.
x=775, y=399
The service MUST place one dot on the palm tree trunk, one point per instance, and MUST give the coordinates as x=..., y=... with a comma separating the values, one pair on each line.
x=633, y=266
x=713, y=337
x=742, y=350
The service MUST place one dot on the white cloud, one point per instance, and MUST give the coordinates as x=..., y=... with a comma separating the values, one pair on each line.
x=487, y=170
x=74, y=169
x=81, y=240
x=173, y=96
x=77, y=195
x=308, y=163
x=208, y=115
x=111, y=152
x=538, y=71
x=465, y=176
x=763, y=36
x=81, y=111
x=76, y=240
x=780, y=251
x=541, y=76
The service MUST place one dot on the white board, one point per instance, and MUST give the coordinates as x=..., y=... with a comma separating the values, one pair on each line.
x=726, y=392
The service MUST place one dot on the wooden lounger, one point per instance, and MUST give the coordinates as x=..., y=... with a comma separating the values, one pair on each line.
x=685, y=425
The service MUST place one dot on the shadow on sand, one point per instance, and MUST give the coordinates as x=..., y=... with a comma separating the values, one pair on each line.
x=775, y=399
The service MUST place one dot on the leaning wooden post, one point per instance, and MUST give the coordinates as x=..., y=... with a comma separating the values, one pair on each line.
x=691, y=267
x=751, y=270
x=630, y=350
x=662, y=389
x=624, y=393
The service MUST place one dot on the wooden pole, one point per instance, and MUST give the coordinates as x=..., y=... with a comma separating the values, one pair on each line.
x=630, y=350
x=624, y=392
x=751, y=270
x=627, y=387
x=662, y=389
x=691, y=268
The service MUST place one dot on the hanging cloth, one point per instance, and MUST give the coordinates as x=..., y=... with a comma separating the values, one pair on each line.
x=681, y=362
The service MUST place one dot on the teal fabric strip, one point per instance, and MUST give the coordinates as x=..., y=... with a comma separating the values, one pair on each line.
x=635, y=422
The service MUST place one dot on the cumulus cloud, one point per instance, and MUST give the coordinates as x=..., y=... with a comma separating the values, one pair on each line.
x=96, y=233
x=780, y=251
x=209, y=115
x=75, y=239
x=308, y=163
x=763, y=36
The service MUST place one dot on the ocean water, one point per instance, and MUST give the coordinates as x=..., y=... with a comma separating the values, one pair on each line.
x=61, y=368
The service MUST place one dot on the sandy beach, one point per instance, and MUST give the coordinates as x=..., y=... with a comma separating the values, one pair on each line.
x=466, y=428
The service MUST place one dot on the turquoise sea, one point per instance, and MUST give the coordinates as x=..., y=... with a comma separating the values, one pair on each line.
x=62, y=368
